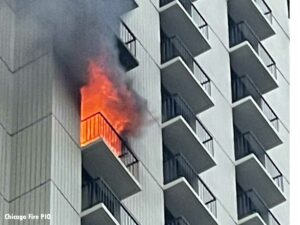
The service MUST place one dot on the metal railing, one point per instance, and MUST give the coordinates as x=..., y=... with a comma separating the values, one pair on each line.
x=96, y=127
x=97, y=191
x=250, y=202
x=173, y=106
x=265, y=9
x=178, y=221
x=194, y=13
x=128, y=38
x=246, y=144
x=241, y=32
x=242, y=87
x=172, y=47
x=177, y=167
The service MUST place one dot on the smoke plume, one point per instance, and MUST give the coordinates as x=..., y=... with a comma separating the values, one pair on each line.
x=83, y=34
x=81, y=30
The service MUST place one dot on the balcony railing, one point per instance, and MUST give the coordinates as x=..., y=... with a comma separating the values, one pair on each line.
x=193, y=12
x=241, y=32
x=96, y=127
x=173, y=47
x=178, y=221
x=250, y=202
x=265, y=9
x=97, y=191
x=242, y=87
x=173, y=106
x=176, y=167
x=128, y=38
x=246, y=144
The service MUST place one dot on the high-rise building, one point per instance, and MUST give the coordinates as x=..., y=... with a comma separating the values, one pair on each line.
x=204, y=96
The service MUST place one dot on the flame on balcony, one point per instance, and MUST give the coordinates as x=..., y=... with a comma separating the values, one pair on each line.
x=109, y=108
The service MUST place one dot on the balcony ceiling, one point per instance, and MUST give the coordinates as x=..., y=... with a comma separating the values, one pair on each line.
x=251, y=174
x=176, y=77
x=180, y=138
x=98, y=214
x=253, y=219
x=249, y=117
x=100, y=161
x=174, y=14
x=247, y=10
x=245, y=61
x=182, y=200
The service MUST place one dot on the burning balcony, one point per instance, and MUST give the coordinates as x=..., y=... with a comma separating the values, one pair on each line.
x=127, y=48
x=249, y=56
x=252, y=113
x=101, y=206
x=105, y=154
x=186, y=194
x=256, y=170
x=181, y=18
x=184, y=133
x=253, y=210
x=180, y=70
x=257, y=14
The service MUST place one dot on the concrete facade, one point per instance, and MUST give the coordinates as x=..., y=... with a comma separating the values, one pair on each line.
x=40, y=153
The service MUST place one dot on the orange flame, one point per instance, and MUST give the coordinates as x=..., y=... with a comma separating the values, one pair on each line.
x=118, y=106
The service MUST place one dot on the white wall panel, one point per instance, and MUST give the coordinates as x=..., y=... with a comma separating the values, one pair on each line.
x=221, y=181
x=66, y=165
x=282, y=211
x=4, y=209
x=224, y=217
x=32, y=92
x=144, y=23
x=32, y=39
x=215, y=14
x=216, y=63
x=66, y=104
x=7, y=32
x=278, y=47
x=280, y=12
x=5, y=162
x=147, y=206
x=279, y=101
x=61, y=211
x=35, y=202
x=5, y=97
x=30, y=158
x=148, y=147
x=218, y=120
x=146, y=82
x=281, y=153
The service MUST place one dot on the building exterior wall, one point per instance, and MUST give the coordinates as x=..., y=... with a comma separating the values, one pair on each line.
x=278, y=46
x=40, y=154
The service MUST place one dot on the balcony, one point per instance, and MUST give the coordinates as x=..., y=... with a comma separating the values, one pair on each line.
x=105, y=154
x=186, y=194
x=127, y=48
x=180, y=70
x=253, y=211
x=251, y=112
x=256, y=170
x=257, y=14
x=178, y=221
x=184, y=133
x=101, y=206
x=181, y=18
x=249, y=56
